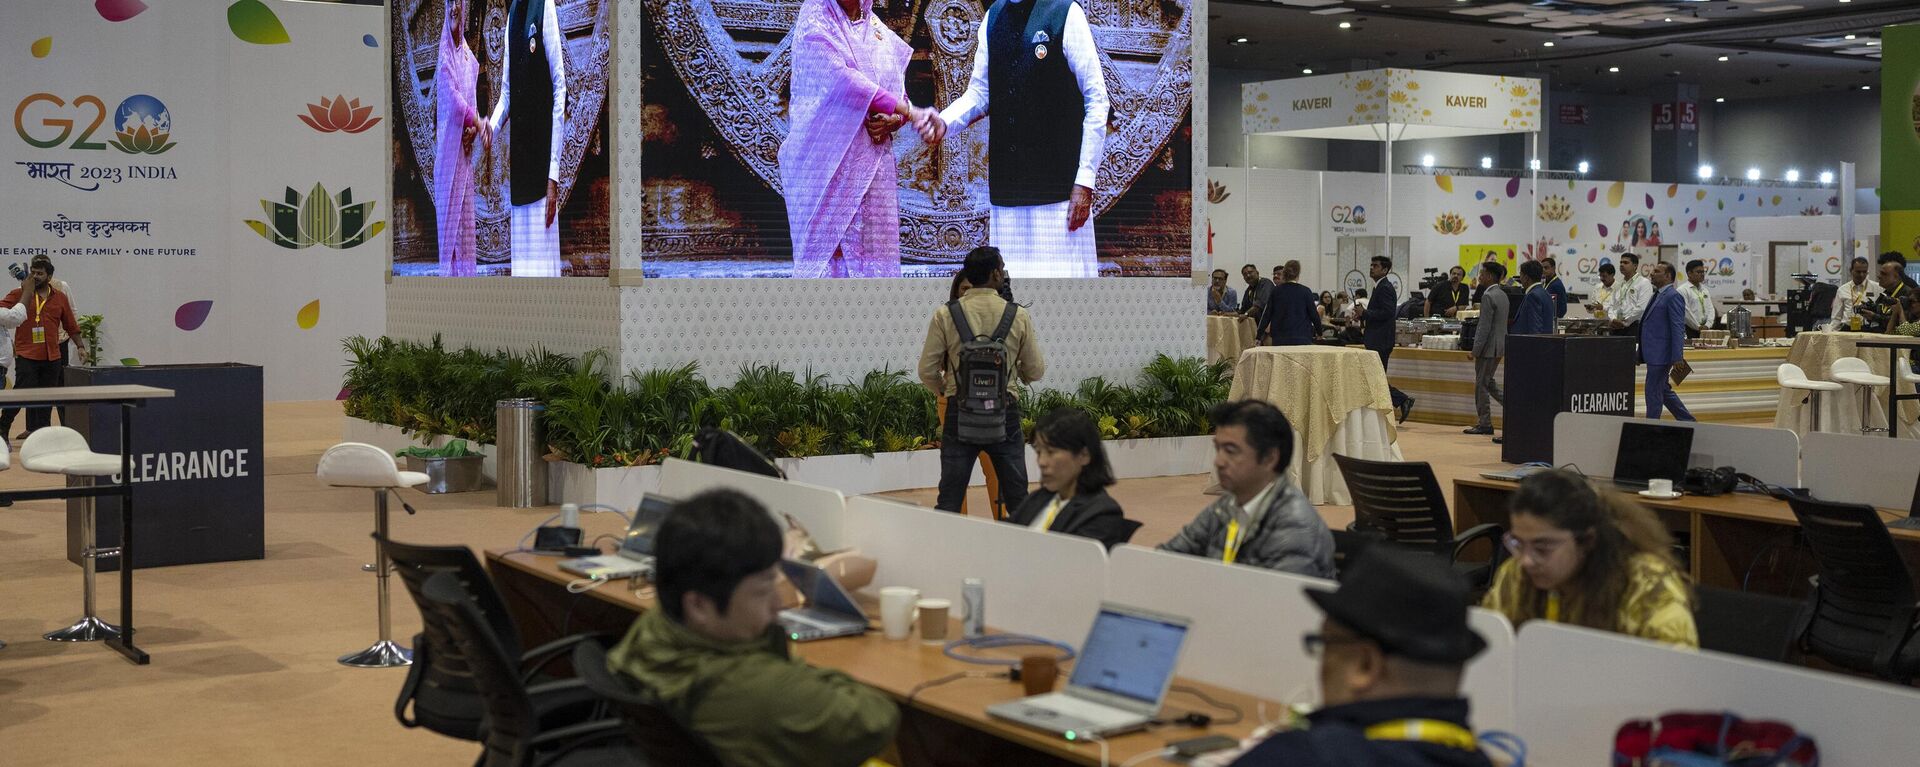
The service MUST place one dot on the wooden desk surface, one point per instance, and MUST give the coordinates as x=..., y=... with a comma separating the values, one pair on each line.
x=51, y=394
x=1748, y=506
x=897, y=667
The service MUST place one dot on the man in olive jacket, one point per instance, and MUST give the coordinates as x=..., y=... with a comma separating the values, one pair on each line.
x=714, y=655
x=1262, y=519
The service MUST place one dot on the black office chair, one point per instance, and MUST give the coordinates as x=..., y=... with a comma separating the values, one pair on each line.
x=1746, y=623
x=439, y=686
x=727, y=450
x=1862, y=615
x=517, y=734
x=662, y=739
x=1401, y=503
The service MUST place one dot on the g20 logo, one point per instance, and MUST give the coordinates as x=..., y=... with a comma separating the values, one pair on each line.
x=1342, y=214
x=1587, y=265
x=141, y=124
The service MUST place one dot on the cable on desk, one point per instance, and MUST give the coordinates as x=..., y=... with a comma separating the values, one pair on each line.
x=1142, y=758
x=1238, y=715
x=1000, y=641
x=1104, y=757
x=584, y=585
x=953, y=677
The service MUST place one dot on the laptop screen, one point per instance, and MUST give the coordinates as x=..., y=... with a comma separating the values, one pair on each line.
x=646, y=521
x=1648, y=451
x=819, y=588
x=1129, y=655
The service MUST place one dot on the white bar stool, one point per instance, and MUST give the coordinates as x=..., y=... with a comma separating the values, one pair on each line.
x=1791, y=376
x=357, y=464
x=60, y=450
x=1854, y=372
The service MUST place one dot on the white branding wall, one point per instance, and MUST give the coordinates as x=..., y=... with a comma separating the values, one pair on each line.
x=146, y=140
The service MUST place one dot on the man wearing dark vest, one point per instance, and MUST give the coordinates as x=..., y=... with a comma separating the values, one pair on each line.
x=533, y=77
x=1037, y=73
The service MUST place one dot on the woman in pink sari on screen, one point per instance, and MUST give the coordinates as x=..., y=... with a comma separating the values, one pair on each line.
x=847, y=97
x=458, y=124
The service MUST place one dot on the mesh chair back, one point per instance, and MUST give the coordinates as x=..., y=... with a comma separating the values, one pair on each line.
x=510, y=716
x=1401, y=502
x=722, y=448
x=661, y=738
x=440, y=685
x=1865, y=595
x=1746, y=623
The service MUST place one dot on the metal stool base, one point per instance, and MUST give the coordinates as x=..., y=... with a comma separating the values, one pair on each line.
x=383, y=654
x=88, y=629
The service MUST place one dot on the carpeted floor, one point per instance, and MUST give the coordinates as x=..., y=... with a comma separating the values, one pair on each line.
x=243, y=652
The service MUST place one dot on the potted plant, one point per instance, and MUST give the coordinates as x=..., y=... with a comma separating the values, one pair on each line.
x=451, y=468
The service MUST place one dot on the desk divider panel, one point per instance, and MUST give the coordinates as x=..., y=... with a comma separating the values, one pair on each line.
x=821, y=510
x=1592, y=441
x=1046, y=584
x=1247, y=624
x=1850, y=468
x=1583, y=684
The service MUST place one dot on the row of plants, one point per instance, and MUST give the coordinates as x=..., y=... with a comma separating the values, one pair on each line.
x=599, y=417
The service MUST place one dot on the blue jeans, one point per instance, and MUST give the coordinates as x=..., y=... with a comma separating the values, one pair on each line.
x=1660, y=392
x=1009, y=457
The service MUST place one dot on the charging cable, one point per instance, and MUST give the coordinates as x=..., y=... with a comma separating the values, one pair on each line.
x=1142, y=758
x=1001, y=641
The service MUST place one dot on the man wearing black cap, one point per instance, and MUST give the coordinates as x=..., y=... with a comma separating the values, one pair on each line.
x=1392, y=650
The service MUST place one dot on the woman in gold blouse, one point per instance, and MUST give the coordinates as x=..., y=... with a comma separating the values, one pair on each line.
x=1590, y=557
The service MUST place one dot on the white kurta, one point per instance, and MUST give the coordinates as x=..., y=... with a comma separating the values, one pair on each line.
x=1034, y=239
x=1630, y=299
x=535, y=245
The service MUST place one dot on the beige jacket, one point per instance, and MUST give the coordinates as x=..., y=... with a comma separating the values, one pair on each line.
x=940, y=355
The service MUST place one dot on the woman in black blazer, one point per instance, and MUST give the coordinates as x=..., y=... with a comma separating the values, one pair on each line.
x=1074, y=476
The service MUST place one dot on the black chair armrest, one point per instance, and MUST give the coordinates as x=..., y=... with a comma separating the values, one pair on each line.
x=1901, y=632
x=1488, y=530
x=416, y=672
x=538, y=658
x=577, y=736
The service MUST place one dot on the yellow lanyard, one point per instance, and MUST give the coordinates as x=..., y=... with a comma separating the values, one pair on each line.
x=1424, y=730
x=1053, y=509
x=1233, y=542
x=40, y=306
x=1553, y=607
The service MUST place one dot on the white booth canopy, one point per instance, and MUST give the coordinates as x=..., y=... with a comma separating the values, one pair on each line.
x=1391, y=104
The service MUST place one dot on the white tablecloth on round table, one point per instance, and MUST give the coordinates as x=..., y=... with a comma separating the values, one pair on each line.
x=1814, y=352
x=1336, y=399
x=1228, y=335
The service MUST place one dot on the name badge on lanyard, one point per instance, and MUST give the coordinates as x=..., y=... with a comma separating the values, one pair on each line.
x=39, y=334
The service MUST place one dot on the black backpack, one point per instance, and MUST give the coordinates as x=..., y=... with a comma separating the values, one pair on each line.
x=980, y=383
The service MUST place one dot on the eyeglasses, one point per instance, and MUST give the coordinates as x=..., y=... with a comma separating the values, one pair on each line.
x=1316, y=645
x=1537, y=549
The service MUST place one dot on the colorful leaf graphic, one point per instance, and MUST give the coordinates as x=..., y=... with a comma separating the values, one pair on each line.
x=344, y=393
x=309, y=315
x=1445, y=182
x=370, y=41
x=1615, y=193
x=118, y=10
x=1692, y=224
x=1776, y=199
x=253, y=22
x=191, y=315
x=1486, y=221
x=1602, y=228
x=1513, y=186
x=131, y=362
x=1593, y=194
x=1649, y=203
x=1574, y=233
x=1672, y=189
x=1719, y=204
x=1479, y=195
x=42, y=47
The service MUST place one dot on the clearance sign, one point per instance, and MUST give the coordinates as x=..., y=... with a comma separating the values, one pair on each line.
x=1417, y=104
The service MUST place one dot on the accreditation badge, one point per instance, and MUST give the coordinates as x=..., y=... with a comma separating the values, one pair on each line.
x=39, y=334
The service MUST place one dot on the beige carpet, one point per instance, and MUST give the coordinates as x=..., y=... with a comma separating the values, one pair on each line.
x=243, y=652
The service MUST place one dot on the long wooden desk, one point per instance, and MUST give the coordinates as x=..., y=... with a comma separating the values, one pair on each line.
x=1728, y=533
x=534, y=589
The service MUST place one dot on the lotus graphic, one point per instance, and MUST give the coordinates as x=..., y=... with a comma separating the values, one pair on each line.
x=319, y=219
x=339, y=114
x=142, y=125
x=1555, y=208
x=1449, y=223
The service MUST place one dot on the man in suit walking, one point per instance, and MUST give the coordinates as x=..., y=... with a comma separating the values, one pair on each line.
x=1489, y=345
x=1379, y=315
x=1290, y=318
x=1663, y=338
x=1535, y=315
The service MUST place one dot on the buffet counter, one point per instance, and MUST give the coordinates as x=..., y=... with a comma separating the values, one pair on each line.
x=1726, y=384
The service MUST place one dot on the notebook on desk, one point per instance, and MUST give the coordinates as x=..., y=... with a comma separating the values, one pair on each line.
x=1119, y=679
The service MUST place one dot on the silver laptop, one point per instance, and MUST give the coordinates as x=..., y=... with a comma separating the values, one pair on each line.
x=1118, y=681
x=635, y=557
x=827, y=611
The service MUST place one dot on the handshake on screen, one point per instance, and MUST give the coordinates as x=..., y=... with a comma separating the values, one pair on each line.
x=925, y=120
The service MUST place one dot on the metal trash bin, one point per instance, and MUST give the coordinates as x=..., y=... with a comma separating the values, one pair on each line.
x=448, y=475
x=519, y=463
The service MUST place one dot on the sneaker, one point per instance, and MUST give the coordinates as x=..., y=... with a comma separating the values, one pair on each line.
x=1478, y=430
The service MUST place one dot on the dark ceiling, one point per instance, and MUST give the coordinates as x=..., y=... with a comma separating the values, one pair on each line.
x=1772, y=47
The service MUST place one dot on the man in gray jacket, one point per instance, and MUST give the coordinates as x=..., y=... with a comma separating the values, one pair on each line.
x=1262, y=520
x=1489, y=345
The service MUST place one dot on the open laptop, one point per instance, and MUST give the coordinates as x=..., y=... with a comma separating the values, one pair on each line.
x=635, y=556
x=828, y=611
x=1651, y=451
x=1118, y=681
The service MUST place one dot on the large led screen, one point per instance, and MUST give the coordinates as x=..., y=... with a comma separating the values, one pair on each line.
x=886, y=138
x=500, y=152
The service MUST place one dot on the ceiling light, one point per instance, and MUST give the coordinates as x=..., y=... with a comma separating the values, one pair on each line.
x=1753, y=174
x=1613, y=69
x=1706, y=172
x=1723, y=58
x=1547, y=44
x=1426, y=161
x=1346, y=25
x=1582, y=167
x=1871, y=43
x=1241, y=41
x=1720, y=100
x=1793, y=176
x=1486, y=163
x=1534, y=164
x=1668, y=19
x=1866, y=87
x=1826, y=177
x=1848, y=37
x=1306, y=71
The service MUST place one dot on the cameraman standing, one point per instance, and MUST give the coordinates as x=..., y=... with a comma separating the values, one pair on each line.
x=36, y=342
